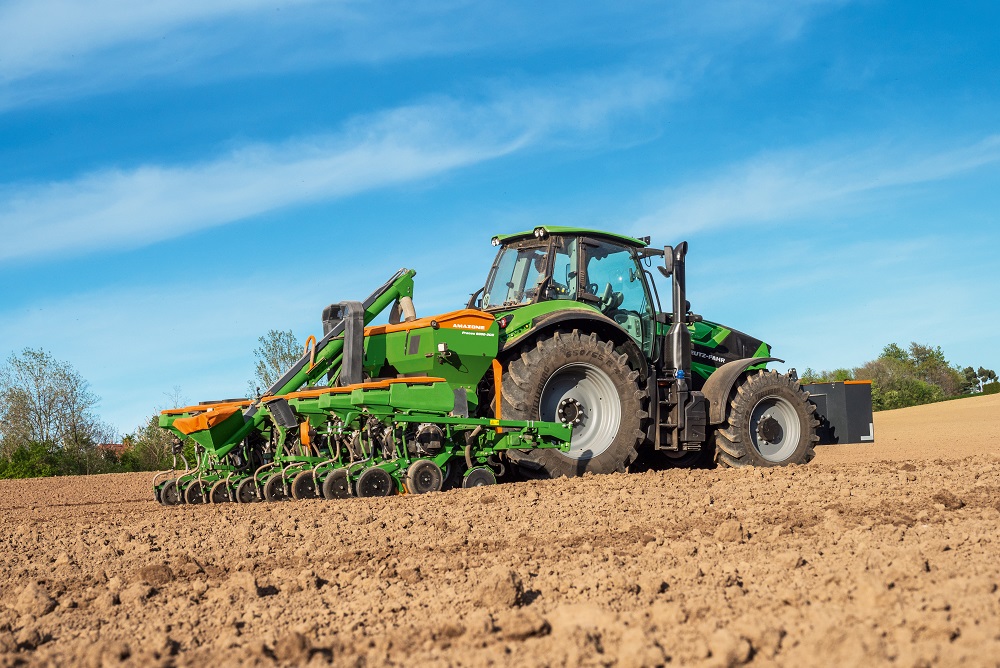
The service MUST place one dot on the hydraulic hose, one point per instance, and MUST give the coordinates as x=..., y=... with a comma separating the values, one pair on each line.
x=469, y=438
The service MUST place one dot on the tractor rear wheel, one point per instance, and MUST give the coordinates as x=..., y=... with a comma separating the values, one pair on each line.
x=577, y=379
x=770, y=422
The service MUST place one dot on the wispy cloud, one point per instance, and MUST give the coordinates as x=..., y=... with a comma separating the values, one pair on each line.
x=39, y=35
x=58, y=48
x=776, y=187
x=134, y=207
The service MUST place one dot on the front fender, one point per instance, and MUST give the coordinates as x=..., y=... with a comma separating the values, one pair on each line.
x=720, y=384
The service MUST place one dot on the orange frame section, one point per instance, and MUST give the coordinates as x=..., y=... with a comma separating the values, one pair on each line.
x=205, y=408
x=372, y=385
x=475, y=320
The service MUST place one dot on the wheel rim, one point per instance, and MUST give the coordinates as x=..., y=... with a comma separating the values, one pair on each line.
x=274, y=489
x=426, y=477
x=589, y=400
x=337, y=485
x=246, y=491
x=220, y=492
x=193, y=493
x=374, y=482
x=304, y=486
x=170, y=495
x=775, y=430
x=478, y=478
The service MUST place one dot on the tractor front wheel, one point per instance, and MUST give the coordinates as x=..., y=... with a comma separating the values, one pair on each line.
x=581, y=380
x=770, y=423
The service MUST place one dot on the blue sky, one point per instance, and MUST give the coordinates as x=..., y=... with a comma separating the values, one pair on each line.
x=178, y=178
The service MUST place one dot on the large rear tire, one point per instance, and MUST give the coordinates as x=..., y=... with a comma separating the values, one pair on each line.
x=576, y=378
x=770, y=423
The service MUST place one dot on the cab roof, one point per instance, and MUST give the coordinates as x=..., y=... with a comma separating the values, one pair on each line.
x=550, y=230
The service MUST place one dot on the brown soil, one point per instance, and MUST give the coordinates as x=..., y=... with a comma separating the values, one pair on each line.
x=873, y=554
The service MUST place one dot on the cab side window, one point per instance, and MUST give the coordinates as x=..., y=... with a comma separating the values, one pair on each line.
x=616, y=279
x=565, y=281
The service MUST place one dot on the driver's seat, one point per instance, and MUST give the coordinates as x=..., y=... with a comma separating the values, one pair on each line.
x=611, y=300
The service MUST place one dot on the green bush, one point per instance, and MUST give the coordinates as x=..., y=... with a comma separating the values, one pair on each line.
x=904, y=392
x=991, y=388
x=34, y=460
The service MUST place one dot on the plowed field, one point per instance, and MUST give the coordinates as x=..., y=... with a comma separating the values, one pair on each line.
x=873, y=554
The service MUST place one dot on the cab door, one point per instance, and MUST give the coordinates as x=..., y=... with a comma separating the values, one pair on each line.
x=614, y=281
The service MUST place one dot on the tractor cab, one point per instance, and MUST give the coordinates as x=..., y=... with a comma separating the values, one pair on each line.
x=605, y=271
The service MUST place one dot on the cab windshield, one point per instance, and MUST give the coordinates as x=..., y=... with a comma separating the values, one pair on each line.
x=517, y=275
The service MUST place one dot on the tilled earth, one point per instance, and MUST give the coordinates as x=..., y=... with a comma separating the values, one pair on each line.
x=873, y=554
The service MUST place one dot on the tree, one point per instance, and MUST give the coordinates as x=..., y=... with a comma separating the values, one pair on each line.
x=970, y=381
x=150, y=447
x=277, y=352
x=835, y=376
x=918, y=375
x=931, y=367
x=894, y=352
x=45, y=400
x=985, y=377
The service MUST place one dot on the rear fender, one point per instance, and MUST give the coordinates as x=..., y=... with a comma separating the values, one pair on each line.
x=586, y=320
x=720, y=384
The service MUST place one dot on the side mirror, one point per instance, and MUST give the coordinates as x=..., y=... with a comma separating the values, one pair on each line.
x=668, y=262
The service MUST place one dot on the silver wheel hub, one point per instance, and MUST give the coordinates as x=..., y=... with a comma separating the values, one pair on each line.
x=775, y=429
x=570, y=411
x=584, y=396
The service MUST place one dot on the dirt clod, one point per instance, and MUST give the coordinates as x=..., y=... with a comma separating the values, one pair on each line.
x=108, y=653
x=730, y=531
x=948, y=499
x=243, y=582
x=521, y=623
x=34, y=600
x=293, y=648
x=728, y=649
x=500, y=589
x=154, y=574
x=136, y=594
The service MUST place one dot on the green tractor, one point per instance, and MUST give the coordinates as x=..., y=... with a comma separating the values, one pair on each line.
x=583, y=340
x=562, y=364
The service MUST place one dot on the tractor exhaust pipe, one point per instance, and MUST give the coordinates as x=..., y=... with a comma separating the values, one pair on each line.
x=677, y=351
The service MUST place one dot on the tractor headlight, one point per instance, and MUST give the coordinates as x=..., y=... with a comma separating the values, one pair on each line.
x=540, y=232
x=495, y=241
